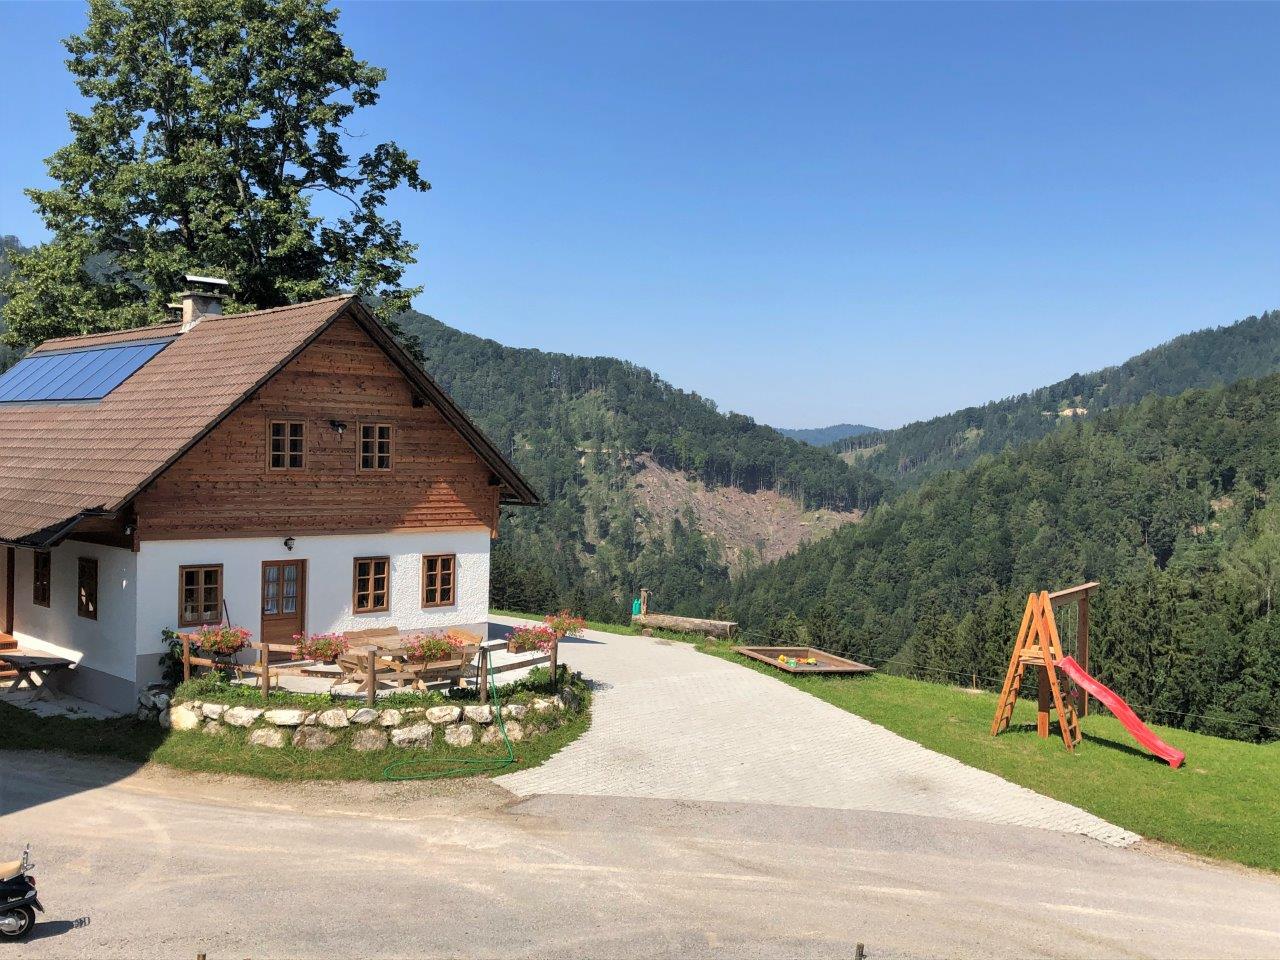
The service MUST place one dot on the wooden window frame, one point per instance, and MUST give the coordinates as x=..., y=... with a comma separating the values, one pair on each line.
x=41, y=588
x=199, y=569
x=355, y=585
x=377, y=453
x=287, y=452
x=440, y=558
x=87, y=599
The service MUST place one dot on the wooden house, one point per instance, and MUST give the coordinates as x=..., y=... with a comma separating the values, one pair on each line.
x=288, y=470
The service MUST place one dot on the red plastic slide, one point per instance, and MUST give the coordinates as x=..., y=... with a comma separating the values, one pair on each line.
x=1141, y=732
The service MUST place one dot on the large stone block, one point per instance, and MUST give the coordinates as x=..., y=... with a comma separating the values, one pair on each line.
x=479, y=713
x=334, y=719
x=285, y=718
x=460, y=735
x=313, y=738
x=368, y=740
x=419, y=735
x=272, y=737
x=443, y=714
x=241, y=716
x=182, y=717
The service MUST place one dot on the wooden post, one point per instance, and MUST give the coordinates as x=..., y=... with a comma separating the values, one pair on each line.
x=373, y=677
x=1042, y=702
x=1082, y=652
x=555, y=666
x=484, y=675
x=644, y=602
x=264, y=680
x=186, y=657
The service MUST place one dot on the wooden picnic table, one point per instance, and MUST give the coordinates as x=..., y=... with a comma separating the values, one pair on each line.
x=31, y=667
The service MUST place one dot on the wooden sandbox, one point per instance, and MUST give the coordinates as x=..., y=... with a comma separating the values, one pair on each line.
x=793, y=660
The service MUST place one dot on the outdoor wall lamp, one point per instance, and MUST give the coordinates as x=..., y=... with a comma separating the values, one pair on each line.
x=338, y=426
x=288, y=543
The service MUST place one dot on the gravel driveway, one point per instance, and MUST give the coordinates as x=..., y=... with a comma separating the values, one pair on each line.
x=671, y=723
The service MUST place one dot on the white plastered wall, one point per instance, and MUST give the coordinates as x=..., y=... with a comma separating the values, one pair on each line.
x=107, y=645
x=329, y=580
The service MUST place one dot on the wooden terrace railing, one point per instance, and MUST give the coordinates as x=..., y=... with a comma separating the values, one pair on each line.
x=377, y=662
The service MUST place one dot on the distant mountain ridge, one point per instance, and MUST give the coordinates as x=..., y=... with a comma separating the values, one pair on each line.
x=582, y=429
x=1205, y=358
x=826, y=436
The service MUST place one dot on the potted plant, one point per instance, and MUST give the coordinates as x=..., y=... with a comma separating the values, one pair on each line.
x=565, y=624
x=433, y=647
x=220, y=642
x=523, y=639
x=321, y=647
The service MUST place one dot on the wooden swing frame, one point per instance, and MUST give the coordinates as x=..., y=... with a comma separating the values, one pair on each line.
x=1038, y=645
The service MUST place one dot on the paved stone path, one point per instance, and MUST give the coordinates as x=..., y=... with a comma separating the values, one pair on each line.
x=675, y=724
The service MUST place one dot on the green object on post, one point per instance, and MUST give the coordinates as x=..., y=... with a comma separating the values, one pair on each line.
x=635, y=607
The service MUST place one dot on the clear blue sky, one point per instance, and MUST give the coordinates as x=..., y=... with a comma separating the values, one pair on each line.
x=810, y=213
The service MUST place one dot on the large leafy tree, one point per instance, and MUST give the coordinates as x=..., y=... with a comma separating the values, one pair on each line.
x=216, y=140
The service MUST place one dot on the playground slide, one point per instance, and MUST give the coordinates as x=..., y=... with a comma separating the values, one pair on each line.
x=1123, y=712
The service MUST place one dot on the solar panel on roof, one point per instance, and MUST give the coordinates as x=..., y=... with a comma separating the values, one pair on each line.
x=76, y=374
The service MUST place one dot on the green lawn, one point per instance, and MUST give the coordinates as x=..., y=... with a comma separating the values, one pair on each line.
x=1224, y=802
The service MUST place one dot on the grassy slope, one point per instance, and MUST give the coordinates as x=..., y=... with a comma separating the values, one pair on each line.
x=1222, y=803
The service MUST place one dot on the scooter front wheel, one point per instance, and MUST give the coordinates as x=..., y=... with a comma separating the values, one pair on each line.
x=16, y=924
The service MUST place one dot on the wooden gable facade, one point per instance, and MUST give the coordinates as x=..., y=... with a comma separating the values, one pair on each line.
x=226, y=485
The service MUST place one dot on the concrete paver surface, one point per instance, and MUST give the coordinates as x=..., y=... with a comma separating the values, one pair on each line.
x=672, y=723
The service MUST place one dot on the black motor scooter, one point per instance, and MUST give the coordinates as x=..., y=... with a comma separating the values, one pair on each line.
x=18, y=900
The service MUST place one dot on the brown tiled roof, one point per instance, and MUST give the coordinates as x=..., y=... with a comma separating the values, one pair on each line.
x=110, y=338
x=59, y=461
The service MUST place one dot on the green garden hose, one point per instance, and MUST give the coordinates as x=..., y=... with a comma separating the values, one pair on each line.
x=479, y=765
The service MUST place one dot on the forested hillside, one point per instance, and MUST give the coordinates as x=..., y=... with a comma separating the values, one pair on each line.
x=1250, y=348
x=574, y=426
x=1170, y=504
x=826, y=436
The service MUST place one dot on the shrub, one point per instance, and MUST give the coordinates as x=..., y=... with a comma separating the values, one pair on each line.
x=320, y=646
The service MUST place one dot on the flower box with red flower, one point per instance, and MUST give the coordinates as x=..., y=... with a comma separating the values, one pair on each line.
x=220, y=642
x=320, y=647
x=432, y=648
x=525, y=639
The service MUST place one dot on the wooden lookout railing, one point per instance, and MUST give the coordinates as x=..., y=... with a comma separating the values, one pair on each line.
x=259, y=667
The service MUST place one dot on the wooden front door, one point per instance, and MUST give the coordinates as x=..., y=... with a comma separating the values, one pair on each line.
x=284, y=601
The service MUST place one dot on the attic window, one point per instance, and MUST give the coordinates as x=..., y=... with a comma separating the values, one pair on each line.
x=375, y=446
x=288, y=443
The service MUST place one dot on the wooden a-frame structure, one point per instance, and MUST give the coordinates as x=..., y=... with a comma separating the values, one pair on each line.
x=1038, y=645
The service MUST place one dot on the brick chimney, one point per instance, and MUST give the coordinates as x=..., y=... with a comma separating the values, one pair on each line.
x=202, y=298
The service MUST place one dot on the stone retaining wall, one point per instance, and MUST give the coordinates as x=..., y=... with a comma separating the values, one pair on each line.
x=371, y=729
